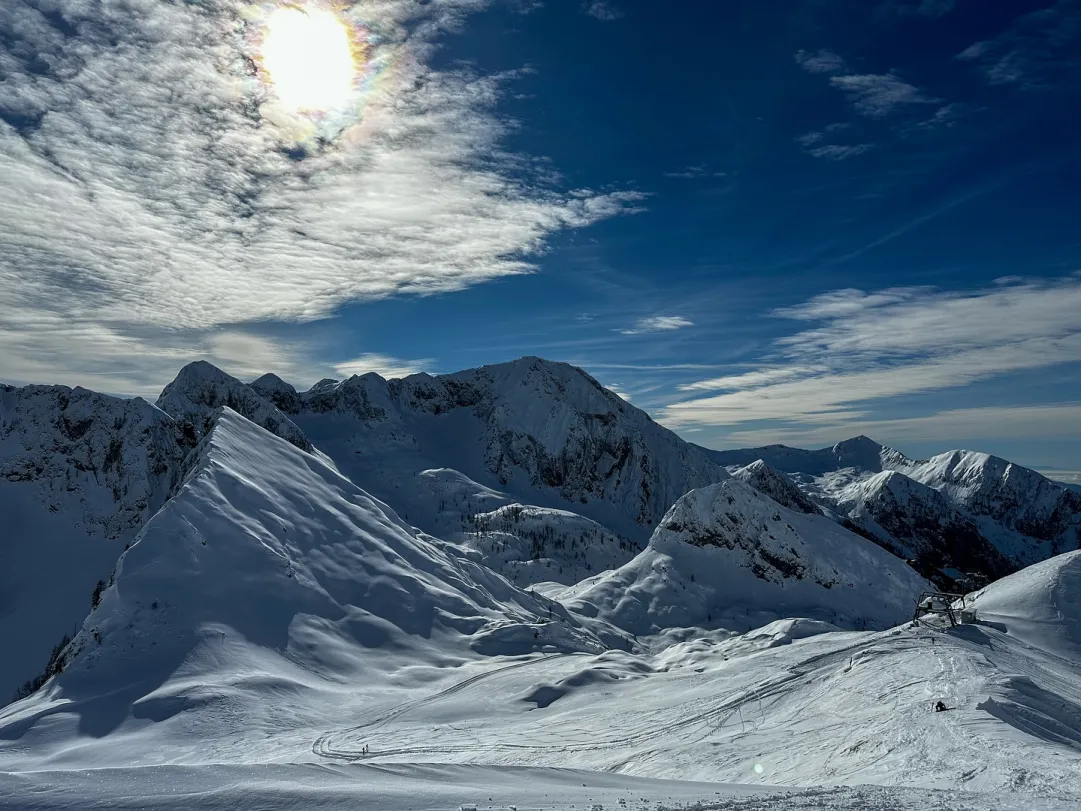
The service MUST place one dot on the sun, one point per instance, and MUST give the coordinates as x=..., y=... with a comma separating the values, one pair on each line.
x=308, y=56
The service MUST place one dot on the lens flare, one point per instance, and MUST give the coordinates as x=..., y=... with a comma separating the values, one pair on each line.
x=308, y=56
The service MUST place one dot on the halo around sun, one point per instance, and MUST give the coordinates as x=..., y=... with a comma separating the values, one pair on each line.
x=309, y=58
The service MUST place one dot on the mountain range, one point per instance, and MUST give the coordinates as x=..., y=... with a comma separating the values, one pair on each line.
x=529, y=468
x=474, y=565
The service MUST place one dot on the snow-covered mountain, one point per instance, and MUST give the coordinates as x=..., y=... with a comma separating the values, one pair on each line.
x=931, y=530
x=726, y=557
x=958, y=512
x=530, y=427
x=777, y=486
x=201, y=388
x=268, y=568
x=80, y=473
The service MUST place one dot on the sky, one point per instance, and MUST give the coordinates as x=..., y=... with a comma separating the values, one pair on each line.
x=762, y=221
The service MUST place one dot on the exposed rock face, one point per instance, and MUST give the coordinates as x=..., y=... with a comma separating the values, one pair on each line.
x=959, y=510
x=931, y=530
x=200, y=388
x=537, y=424
x=727, y=556
x=777, y=486
x=106, y=460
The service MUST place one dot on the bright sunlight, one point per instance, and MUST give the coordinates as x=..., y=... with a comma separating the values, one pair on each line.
x=309, y=57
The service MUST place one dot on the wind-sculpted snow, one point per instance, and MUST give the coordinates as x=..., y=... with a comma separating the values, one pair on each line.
x=724, y=556
x=268, y=565
x=201, y=388
x=80, y=473
x=1040, y=605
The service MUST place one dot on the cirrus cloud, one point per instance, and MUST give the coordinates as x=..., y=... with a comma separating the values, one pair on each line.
x=152, y=197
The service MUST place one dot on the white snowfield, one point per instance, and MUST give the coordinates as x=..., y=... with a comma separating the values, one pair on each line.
x=276, y=637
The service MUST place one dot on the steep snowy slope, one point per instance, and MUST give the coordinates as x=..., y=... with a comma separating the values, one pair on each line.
x=1010, y=496
x=79, y=474
x=725, y=556
x=776, y=485
x=268, y=576
x=932, y=532
x=1040, y=605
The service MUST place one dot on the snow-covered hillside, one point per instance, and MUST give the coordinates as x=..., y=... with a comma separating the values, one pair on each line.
x=960, y=512
x=79, y=474
x=726, y=557
x=932, y=532
x=268, y=571
x=272, y=614
x=777, y=486
x=444, y=450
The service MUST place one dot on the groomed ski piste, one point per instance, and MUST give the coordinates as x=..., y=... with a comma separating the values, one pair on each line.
x=277, y=638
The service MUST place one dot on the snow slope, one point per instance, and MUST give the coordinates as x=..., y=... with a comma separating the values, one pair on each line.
x=79, y=474
x=725, y=556
x=270, y=574
x=272, y=615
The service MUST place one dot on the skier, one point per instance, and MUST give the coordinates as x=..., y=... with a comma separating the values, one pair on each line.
x=940, y=707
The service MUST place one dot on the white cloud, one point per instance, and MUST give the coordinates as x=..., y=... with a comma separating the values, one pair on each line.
x=602, y=10
x=153, y=194
x=822, y=61
x=1051, y=421
x=895, y=342
x=838, y=152
x=750, y=380
x=658, y=323
x=877, y=95
x=383, y=365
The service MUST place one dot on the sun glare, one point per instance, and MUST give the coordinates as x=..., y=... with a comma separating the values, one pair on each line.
x=309, y=58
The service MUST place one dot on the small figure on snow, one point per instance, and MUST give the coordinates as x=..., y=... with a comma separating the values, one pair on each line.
x=940, y=707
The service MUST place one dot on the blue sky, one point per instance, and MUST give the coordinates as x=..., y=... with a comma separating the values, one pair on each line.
x=761, y=221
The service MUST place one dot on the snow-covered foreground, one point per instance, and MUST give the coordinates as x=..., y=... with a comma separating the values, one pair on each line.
x=433, y=787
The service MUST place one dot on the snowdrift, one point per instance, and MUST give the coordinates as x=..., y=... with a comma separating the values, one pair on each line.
x=726, y=556
x=1040, y=605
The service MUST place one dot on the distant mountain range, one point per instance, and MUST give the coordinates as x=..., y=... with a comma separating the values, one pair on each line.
x=528, y=472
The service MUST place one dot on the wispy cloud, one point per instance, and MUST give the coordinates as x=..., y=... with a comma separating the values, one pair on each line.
x=658, y=323
x=821, y=61
x=869, y=347
x=383, y=365
x=155, y=195
x=602, y=10
x=692, y=172
x=839, y=152
x=949, y=427
x=878, y=94
x=1037, y=50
